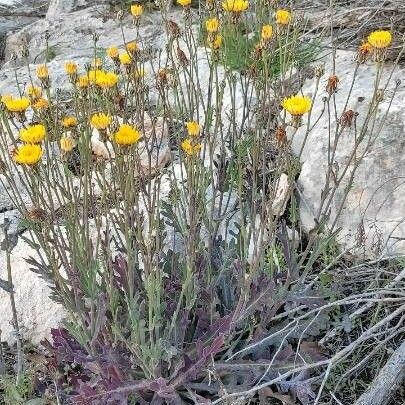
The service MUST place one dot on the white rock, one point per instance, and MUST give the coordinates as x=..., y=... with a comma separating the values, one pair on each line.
x=282, y=195
x=374, y=207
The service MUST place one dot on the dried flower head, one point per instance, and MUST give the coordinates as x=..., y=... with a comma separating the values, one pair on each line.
x=346, y=120
x=66, y=143
x=212, y=25
x=42, y=72
x=33, y=133
x=36, y=214
x=34, y=91
x=136, y=10
x=380, y=39
x=297, y=105
x=69, y=122
x=332, y=84
x=193, y=128
x=215, y=42
x=127, y=135
x=71, y=68
x=173, y=29
x=27, y=154
x=235, y=6
x=283, y=17
x=100, y=121
x=281, y=136
x=96, y=63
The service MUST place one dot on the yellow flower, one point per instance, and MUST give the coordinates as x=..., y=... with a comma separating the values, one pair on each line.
x=127, y=135
x=34, y=91
x=33, y=134
x=112, y=52
x=125, y=58
x=42, y=72
x=66, y=143
x=193, y=128
x=297, y=105
x=5, y=98
x=283, y=17
x=17, y=104
x=184, y=3
x=267, y=32
x=235, y=6
x=136, y=10
x=380, y=39
x=132, y=47
x=191, y=148
x=28, y=154
x=216, y=42
x=100, y=121
x=106, y=80
x=41, y=104
x=212, y=25
x=83, y=82
x=69, y=122
x=70, y=68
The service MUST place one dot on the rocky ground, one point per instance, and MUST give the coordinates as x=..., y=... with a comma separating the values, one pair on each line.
x=375, y=203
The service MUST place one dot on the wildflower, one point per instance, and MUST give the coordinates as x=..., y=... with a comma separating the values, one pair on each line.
x=17, y=105
x=193, y=128
x=34, y=91
x=212, y=25
x=28, y=154
x=96, y=63
x=281, y=136
x=332, y=84
x=33, y=134
x=43, y=72
x=41, y=104
x=106, y=80
x=69, y=122
x=364, y=51
x=113, y=53
x=66, y=143
x=235, y=6
x=132, y=47
x=100, y=121
x=83, y=82
x=5, y=98
x=125, y=58
x=283, y=17
x=136, y=10
x=267, y=32
x=184, y=3
x=380, y=39
x=215, y=43
x=71, y=68
x=127, y=135
x=173, y=29
x=297, y=105
x=190, y=148
x=346, y=120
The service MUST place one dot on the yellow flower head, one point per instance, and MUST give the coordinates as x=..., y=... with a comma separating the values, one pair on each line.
x=6, y=97
x=17, y=105
x=41, y=104
x=28, y=154
x=34, y=91
x=83, y=82
x=297, y=105
x=112, y=52
x=132, y=47
x=33, y=134
x=69, y=122
x=106, y=80
x=70, y=68
x=267, y=32
x=127, y=135
x=191, y=148
x=212, y=25
x=235, y=6
x=380, y=39
x=184, y=3
x=66, y=143
x=42, y=72
x=193, y=128
x=136, y=10
x=283, y=17
x=100, y=121
x=216, y=42
x=125, y=58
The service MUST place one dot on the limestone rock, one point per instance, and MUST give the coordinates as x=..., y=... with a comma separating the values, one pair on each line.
x=374, y=211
